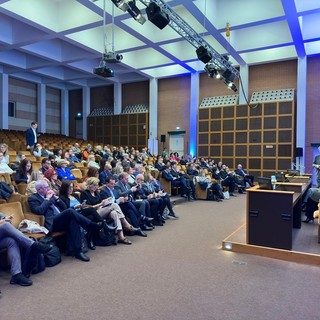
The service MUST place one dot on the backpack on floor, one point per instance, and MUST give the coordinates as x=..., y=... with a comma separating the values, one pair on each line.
x=105, y=237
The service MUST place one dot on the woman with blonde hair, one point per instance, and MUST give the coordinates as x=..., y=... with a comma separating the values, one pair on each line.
x=4, y=150
x=106, y=208
x=92, y=162
x=35, y=176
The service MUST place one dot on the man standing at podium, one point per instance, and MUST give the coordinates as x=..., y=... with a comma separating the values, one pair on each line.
x=316, y=164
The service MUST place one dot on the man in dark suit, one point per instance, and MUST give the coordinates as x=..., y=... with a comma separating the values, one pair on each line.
x=126, y=206
x=60, y=218
x=32, y=136
x=123, y=189
x=316, y=164
x=156, y=208
x=243, y=173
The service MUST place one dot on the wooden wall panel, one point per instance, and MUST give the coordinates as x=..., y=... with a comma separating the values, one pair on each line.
x=173, y=108
x=75, y=106
x=312, y=112
x=24, y=95
x=263, y=141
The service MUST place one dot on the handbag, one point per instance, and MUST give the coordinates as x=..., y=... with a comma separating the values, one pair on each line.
x=105, y=237
x=53, y=257
x=226, y=195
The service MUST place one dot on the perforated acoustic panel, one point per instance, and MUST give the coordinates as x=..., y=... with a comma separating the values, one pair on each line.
x=135, y=108
x=101, y=111
x=273, y=95
x=219, y=101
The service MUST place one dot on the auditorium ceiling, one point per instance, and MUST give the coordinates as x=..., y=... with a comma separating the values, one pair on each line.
x=60, y=42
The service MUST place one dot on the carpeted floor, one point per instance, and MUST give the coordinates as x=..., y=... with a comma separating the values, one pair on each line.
x=178, y=272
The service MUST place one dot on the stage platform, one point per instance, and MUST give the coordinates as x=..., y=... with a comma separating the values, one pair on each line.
x=306, y=248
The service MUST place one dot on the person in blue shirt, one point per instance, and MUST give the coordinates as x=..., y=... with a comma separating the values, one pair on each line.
x=64, y=173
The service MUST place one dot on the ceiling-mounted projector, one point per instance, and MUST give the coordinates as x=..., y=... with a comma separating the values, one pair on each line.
x=103, y=72
x=112, y=57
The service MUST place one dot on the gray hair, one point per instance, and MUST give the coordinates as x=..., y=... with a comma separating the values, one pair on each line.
x=40, y=183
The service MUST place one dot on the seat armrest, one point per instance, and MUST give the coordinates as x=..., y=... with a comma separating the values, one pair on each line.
x=35, y=217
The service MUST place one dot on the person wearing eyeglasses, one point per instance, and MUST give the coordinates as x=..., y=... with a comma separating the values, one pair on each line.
x=60, y=218
x=106, y=208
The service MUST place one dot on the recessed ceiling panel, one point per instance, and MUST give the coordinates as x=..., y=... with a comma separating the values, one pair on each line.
x=182, y=50
x=305, y=5
x=245, y=11
x=310, y=26
x=270, y=34
x=168, y=71
x=312, y=47
x=269, y=55
x=54, y=15
x=94, y=38
x=145, y=58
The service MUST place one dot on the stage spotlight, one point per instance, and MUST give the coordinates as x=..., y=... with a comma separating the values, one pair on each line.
x=203, y=54
x=231, y=85
x=228, y=75
x=135, y=13
x=212, y=71
x=157, y=16
x=121, y=5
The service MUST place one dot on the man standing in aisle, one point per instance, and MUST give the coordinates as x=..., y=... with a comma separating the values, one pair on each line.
x=316, y=164
x=32, y=136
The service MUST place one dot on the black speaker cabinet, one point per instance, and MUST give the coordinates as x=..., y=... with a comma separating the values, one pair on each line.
x=163, y=138
x=156, y=16
x=299, y=152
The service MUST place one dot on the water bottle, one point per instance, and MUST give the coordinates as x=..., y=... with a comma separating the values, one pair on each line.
x=273, y=182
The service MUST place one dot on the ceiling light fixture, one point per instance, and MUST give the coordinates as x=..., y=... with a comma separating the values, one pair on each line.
x=121, y=5
x=135, y=13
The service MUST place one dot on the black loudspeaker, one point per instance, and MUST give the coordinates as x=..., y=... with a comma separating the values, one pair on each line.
x=203, y=54
x=299, y=152
x=163, y=138
x=157, y=16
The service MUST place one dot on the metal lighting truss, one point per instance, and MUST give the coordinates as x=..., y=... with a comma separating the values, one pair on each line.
x=188, y=33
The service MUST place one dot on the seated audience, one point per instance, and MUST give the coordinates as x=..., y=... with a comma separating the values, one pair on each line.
x=15, y=165
x=4, y=168
x=24, y=171
x=51, y=177
x=125, y=205
x=60, y=218
x=35, y=176
x=45, y=164
x=92, y=161
x=77, y=151
x=73, y=157
x=57, y=154
x=64, y=173
x=156, y=205
x=226, y=178
x=72, y=200
x=19, y=248
x=160, y=164
x=210, y=185
x=186, y=182
x=123, y=189
x=4, y=150
x=154, y=186
x=106, y=207
x=105, y=173
x=246, y=177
